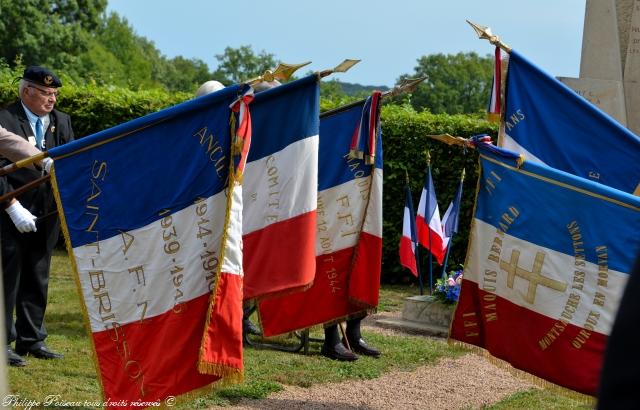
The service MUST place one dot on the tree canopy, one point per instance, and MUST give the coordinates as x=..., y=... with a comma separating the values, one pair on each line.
x=456, y=84
x=82, y=42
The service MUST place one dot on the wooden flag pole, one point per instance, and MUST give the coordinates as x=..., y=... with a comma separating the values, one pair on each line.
x=26, y=187
x=406, y=86
x=23, y=163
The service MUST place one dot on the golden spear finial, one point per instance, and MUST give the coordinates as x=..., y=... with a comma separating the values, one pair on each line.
x=485, y=33
x=343, y=67
x=450, y=139
x=407, y=85
x=428, y=158
x=462, y=176
x=406, y=176
x=282, y=72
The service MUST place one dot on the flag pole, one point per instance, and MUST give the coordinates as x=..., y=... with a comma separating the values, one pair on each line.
x=446, y=258
x=416, y=247
x=484, y=33
x=429, y=232
x=406, y=86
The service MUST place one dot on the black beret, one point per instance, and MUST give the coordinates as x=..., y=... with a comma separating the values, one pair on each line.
x=42, y=76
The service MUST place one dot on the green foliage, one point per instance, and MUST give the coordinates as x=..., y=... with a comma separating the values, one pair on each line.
x=94, y=108
x=47, y=32
x=240, y=64
x=405, y=147
x=456, y=84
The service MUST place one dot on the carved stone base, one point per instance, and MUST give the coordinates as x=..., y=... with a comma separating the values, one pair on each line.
x=422, y=315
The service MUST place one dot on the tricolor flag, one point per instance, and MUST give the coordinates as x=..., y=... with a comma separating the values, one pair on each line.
x=428, y=222
x=451, y=217
x=495, y=103
x=549, y=123
x=348, y=234
x=547, y=264
x=153, y=232
x=280, y=189
x=408, y=240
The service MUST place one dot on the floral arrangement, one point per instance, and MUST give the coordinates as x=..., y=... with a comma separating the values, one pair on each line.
x=447, y=289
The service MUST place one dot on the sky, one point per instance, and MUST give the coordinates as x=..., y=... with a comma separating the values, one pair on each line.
x=387, y=35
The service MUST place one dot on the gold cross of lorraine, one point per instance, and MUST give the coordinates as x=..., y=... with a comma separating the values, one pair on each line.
x=534, y=277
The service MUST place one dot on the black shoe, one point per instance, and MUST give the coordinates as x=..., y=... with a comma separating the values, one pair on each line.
x=40, y=352
x=361, y=347
x=249, y=328
x=14, y=358
x=338, y=352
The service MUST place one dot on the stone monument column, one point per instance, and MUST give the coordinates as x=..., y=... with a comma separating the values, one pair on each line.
x=610, y=60
x=632, y=70
x=600, y=79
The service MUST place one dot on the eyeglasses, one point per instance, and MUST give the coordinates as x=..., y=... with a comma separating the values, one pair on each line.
x=45, y=93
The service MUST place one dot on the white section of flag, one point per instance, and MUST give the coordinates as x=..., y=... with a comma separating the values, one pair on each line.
x=281, y=186
x=557, y=265
x=340, y=211
x=373, y=220
x=124, y=293
x=511, y=144
x=232, y=262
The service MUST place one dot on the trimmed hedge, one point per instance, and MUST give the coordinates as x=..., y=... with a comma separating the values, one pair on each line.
x=405, y=143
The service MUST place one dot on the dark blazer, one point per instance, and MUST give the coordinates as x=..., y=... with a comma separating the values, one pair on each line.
x=40, y=200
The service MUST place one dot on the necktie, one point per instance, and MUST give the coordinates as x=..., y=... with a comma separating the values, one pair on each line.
x=39, y=134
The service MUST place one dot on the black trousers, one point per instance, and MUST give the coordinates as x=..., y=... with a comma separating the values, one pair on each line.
x=26, y=259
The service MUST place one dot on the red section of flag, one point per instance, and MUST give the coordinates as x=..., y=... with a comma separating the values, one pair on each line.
x=292, y=254
x=364, y=282
x=221, y=349
x=431, y=239
x=132, y=355
x=556, y=351
x=407, y=255
x=330, y=297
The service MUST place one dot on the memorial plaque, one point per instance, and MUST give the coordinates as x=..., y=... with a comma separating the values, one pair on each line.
x=607, y=95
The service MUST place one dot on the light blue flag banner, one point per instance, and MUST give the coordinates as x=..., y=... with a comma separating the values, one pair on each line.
x=548, y=261
x=550, y=123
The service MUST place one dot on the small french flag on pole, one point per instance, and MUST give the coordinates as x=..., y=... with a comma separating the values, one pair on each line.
x=408, y=240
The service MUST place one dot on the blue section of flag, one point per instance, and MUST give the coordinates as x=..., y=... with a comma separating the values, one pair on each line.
x=551, y=203
x=122, y=178
x=291, y=104
x=451, y=225
x=567, y=132
x=408, y=204
x=336, y=131
x=431, y=200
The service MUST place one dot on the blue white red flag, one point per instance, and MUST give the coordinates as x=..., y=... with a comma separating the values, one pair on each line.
x=551, y=124
x=549, y=257
x=348, y=234
x=152, y=213
x=409, y=239
x=280, y=190
x=451, y=217
x=428, y=223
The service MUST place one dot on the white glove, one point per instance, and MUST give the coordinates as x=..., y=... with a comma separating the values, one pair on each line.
x=46, y=165
x=21, y=217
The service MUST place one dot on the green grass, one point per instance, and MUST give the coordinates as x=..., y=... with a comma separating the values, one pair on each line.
x=74, y=378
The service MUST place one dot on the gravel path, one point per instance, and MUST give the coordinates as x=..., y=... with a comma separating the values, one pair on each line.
x=477, y=383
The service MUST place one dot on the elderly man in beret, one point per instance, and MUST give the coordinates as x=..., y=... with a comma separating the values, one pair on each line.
x=26, y=256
